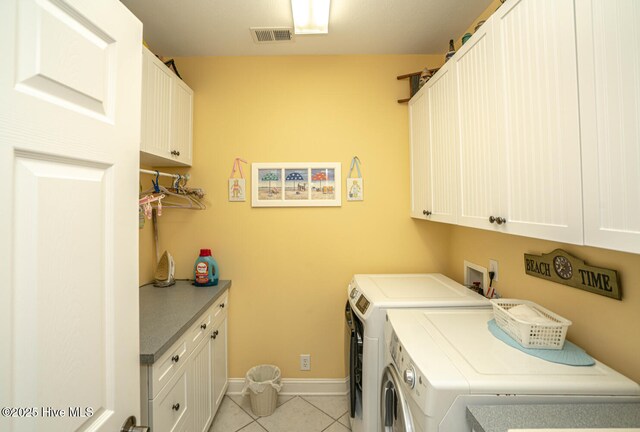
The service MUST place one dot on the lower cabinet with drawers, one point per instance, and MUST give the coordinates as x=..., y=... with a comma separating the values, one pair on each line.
x=183, y=389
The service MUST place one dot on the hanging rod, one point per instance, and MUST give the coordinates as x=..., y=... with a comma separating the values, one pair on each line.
x=161, y=174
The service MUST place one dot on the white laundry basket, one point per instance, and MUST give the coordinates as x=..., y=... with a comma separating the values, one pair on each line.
x=263, y=382
x=549, y=335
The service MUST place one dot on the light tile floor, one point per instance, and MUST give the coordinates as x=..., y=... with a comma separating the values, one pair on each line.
x=293, y=414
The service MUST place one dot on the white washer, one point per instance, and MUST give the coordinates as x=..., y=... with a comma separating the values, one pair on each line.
x=369, y=298
x=441, y=361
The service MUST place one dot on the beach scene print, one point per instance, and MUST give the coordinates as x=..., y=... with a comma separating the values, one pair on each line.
x=323, y=184
x=270, y=185
x=296, y=184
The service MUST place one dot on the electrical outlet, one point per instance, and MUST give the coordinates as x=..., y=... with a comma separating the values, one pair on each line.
x=305, y=362
x=493, y=267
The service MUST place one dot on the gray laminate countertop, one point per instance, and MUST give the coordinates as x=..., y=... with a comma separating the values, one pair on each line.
x=501, y=418
x=166, y=313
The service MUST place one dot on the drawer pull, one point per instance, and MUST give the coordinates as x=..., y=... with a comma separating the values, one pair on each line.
x=222, y=305
x=214, y=334
x=499, y=220
x=175, y=407
x=203, y=326
x=175, y=358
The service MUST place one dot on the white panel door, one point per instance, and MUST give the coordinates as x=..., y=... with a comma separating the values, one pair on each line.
x=69, y=136
x=481, y=150
x=609, y=67
x=537, y=78
x=442, y=148
x=418, y=122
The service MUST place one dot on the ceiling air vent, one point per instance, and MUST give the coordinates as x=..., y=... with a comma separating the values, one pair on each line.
x=271, y=34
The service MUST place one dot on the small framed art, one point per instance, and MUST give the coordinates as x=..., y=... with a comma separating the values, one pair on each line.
x=293, y=184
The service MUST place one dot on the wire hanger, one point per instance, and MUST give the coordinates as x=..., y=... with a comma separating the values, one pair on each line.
x=175, y=199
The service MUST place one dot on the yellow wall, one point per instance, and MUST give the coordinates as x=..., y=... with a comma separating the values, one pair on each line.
x=607, y=329
x=290, y=266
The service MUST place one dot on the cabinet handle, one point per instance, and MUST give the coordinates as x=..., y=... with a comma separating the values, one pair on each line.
x=175, y=407
x=214, y=334
x=499, y=220
x=222, y=305
x=426, y=212
x=203, y=326
x=175, y=358
x=175, y=152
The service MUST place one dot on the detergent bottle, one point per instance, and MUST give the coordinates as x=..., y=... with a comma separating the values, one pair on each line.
x=206, y=269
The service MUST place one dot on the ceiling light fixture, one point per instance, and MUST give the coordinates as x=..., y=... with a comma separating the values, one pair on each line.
x=311, y=16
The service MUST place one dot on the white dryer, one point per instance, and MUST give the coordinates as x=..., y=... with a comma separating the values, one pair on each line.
x=369, y=298
x=441, y=361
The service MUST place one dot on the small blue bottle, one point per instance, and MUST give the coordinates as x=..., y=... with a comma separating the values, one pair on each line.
x=205, y=269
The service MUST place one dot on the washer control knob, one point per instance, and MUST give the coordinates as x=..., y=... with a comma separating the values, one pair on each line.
x=354, y=293
x=410, y=377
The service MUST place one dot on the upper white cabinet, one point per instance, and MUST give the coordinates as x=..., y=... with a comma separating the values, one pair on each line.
x=434, y=155
x=609, y=72
x=514, y=127
x=481, y=149
x=418, y=118
x=167, y=115
x=537, y=105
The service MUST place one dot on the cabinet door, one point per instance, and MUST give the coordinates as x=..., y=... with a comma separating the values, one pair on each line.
x=538, y=105
x=481, y=150
x=442, y=149
x=219, y=363
x=418, y=120
x=202, y=404
x=609, y=65
x=181, y=122
x=157, y=91
x=171, y=409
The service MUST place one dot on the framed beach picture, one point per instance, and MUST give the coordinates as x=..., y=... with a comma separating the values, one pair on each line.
x=296, y=184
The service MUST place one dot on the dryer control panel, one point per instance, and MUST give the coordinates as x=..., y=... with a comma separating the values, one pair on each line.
x=362, y=304
x=355, y=296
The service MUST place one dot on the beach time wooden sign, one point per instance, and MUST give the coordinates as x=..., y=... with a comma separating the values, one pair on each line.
x=560, y=267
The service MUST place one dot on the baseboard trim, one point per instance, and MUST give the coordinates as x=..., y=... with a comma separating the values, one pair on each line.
x=301, y=386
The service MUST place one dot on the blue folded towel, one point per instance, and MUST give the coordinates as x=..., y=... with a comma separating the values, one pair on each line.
x=570, y=354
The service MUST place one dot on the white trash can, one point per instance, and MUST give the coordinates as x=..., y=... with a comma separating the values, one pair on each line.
x=263, y=384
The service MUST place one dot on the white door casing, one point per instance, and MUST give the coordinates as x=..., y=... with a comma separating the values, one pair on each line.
x=69, y=137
